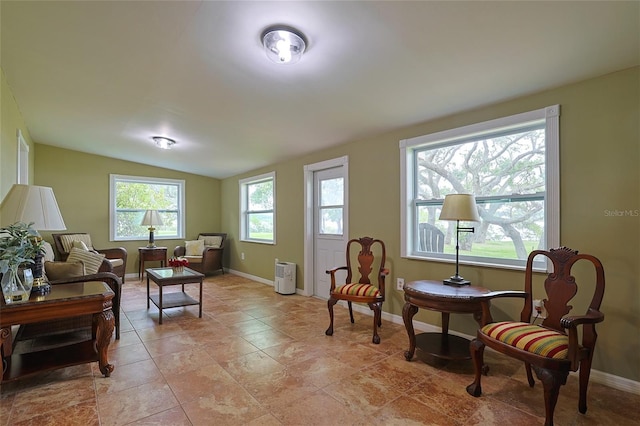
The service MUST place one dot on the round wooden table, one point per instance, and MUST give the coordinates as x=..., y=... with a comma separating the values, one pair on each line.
x=436, y=296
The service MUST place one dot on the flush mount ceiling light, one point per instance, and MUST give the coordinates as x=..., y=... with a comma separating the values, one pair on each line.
x=164, y=143
x=283, y=45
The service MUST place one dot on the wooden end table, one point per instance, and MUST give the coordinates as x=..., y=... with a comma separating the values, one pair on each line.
x=168, y=276
x=64, y=301
x=436, y=296
x=148, y=254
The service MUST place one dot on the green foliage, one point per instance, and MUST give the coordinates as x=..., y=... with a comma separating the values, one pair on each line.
x=19, y=244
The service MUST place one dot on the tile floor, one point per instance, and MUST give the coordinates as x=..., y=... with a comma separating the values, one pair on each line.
x=259, y=358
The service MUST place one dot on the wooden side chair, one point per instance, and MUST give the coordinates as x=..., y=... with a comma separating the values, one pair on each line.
x=362, y=290
x=553, y=348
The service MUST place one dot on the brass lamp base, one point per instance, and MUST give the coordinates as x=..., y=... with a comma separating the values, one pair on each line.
x=40, y=286
x=456, y=280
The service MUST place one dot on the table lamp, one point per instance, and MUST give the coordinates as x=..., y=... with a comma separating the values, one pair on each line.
x=37, y=205
x=151, y=219
x=459, y=207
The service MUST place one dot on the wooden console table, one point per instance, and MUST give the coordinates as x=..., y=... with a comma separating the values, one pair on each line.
x=168, y=276
x=436, y=296
x=64, y=301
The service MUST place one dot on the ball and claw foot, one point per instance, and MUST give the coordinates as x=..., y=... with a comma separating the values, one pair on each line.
x=329, y=331
x=474, y=390
x=376, y=339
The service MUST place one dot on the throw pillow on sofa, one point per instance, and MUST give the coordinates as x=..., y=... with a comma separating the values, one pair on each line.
x=62, y=270
x=194, y=248
x=91, y=260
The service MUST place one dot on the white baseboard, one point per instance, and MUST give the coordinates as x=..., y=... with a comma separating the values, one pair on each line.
x=607, y=379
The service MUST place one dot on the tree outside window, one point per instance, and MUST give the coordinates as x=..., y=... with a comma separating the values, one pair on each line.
x=506, y=165
x=132, y=196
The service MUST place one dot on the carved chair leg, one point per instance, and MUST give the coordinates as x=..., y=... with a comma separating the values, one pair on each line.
x=377, y=315
x=527, y=368
x=476, y=347
x=551, y=382
x=350, y=311
x=330, y=304
x=585, y=371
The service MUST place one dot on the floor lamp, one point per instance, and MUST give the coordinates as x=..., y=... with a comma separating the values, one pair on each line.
x=459, y=207
x=37, y=205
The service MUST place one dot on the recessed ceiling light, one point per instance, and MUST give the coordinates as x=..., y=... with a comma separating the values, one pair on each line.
x=283, y=45
x=162, y=142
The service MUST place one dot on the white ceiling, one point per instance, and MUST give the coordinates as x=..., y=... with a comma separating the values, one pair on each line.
x=104, y=76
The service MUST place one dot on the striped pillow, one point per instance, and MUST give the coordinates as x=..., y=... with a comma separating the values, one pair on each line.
x=91, y=260
x=531, y=338
x=68, y=239
x=358, y=290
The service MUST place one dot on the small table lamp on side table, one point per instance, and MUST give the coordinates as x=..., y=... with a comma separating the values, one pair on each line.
x=151, y=219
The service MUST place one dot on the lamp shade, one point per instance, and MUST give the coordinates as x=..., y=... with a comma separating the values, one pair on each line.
x=151, y=218
x=460, y=207
x=32, y=204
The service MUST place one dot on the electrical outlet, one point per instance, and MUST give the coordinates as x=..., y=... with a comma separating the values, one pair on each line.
x=399, y=283
x=242, y=256
x=539, y=311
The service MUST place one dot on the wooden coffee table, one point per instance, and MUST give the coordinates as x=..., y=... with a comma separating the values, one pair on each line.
x=168, y=276
x=434, y=295
x=64, y=301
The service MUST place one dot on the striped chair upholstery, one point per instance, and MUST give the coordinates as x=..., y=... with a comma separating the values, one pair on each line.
x=358, y=290
x=531, y=338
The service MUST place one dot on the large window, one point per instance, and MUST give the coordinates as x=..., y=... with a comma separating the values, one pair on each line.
x=509, y=164
x=257, y=208
x=131, y=196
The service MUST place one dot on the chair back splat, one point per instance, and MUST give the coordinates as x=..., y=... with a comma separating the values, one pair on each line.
x=563, y=342
x=362, y=290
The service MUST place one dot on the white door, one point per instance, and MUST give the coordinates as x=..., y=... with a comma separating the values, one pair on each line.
x=328, y=224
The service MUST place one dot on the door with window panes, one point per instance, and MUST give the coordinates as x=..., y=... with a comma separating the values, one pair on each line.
x=329, y=227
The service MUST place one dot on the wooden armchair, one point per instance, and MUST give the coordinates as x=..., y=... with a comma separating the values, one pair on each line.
x=117, y=256
x=205, y=254
x=361, y=291
x=555, y=347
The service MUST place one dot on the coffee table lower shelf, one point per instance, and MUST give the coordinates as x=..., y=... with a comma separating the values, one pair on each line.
x=173, y=300
x=26, y=364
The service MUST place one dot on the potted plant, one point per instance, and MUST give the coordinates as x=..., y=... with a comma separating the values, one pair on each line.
x=19, y=245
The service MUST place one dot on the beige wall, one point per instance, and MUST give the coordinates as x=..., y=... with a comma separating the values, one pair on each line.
x=10, y=122
x=599, y=172
x=81, y=184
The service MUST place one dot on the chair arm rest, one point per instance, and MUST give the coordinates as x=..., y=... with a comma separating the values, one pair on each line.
x=591, y=317
x=114, y=253
x=179, y=251
x=112, y=280
x=211, y=250
x=334, y=270
x=486, y=305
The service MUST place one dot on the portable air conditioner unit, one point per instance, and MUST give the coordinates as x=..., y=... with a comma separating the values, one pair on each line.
x=285, y=282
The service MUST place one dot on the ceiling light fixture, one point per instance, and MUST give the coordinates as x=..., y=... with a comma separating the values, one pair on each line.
x=164, y=143
x=283, y=45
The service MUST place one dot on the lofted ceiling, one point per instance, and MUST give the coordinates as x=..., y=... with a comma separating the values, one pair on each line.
x=103, y=77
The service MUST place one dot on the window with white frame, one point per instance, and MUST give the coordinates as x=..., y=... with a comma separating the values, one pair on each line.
x=257, y=208
x=131, y=196
x=510, y=165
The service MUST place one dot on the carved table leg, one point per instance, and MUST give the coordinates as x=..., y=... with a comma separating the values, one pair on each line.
x=105, y=323
x=6, y=348
x=408, y=311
